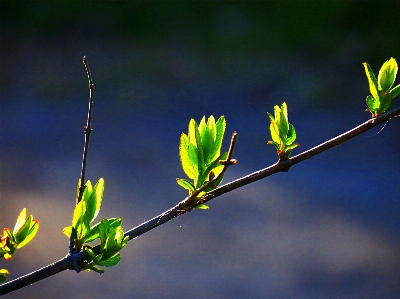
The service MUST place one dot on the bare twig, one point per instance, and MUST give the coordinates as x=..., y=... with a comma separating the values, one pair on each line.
x=69, y=262
x=87, y=130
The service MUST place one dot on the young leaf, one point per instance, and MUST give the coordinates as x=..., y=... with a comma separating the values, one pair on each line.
x=67, y=231
x=373, y=105
x=220, y=127
x=387, y=74
x=93, y=201
x=283, y=123
x=203, y=207
x=88, y=191
x=20, y=220
x=94, y=230
x=208, y=134
x=199, y=148
x=3, y=275
x=189, y=167
x=112, y=261
x=291, y=135
x=215, y=167
x=395, y=91
x=34, y=226
x=23, y=230
x=373, y=83
x=79, y=219
x=186, y=184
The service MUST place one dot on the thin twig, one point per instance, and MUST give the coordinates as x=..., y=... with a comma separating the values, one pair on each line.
x=87, y=130
x=69, y=261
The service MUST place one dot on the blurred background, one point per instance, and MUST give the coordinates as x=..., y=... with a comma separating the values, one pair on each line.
x=329, y=228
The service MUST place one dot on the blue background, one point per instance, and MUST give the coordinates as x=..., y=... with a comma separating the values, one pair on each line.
x=329, y=228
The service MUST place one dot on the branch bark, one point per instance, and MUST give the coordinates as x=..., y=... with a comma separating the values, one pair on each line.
x=71, y=261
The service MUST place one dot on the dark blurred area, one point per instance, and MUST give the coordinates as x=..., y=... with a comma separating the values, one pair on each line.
x=329, y=228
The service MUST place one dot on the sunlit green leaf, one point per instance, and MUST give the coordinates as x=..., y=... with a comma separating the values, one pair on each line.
x=112, y=261
x=274, y=129
x=215, y=167
x=23, y=230
x=386, y=101
x=291, y=135
x=88, y=190
x=283, y=123
x=94, y=200
x=208, y=135
x=34, y=226
x=203, y=207
x=387, y=74
x=199, y=148
x=67, y=231
x=20, y=220
x=186, y=184
x=373, y=83
x=220, y=127
x=79, y=219
x=373, y=104
x=94, y=231
x=188, y=166
x=90, y=255
x=395, y=91
x=291, y=146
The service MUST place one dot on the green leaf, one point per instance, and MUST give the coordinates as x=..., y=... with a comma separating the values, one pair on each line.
x=34, y=226
x=94, y=230
x=20, y=220
x=21, y=234
x=387, y=74
x=274, y=129
x=291, y=135
x=291, y=146
x=89, y=267
x=199, y=148
x=67, y=231
x=3, y=275
x=88, y=191
x=186, y=184
x=94, y=200
x=186, y=154
x=283, y=123
x=220, y=127
x=208, y=134
x=215, y=167
x=112, y=261
x=386, y=101
x=373, y=105
x=395, y=91
x=89, y=255
x=373, y=83
x=203, y=207
x=79, y=220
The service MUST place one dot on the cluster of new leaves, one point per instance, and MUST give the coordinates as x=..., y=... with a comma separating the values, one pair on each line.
x=109, y=231
x=24, y=231
x=112, y=240
x=381, y=90
x=199, y=153
x=282, y=132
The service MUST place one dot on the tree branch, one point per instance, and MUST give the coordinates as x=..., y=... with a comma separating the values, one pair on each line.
x=78, y=257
